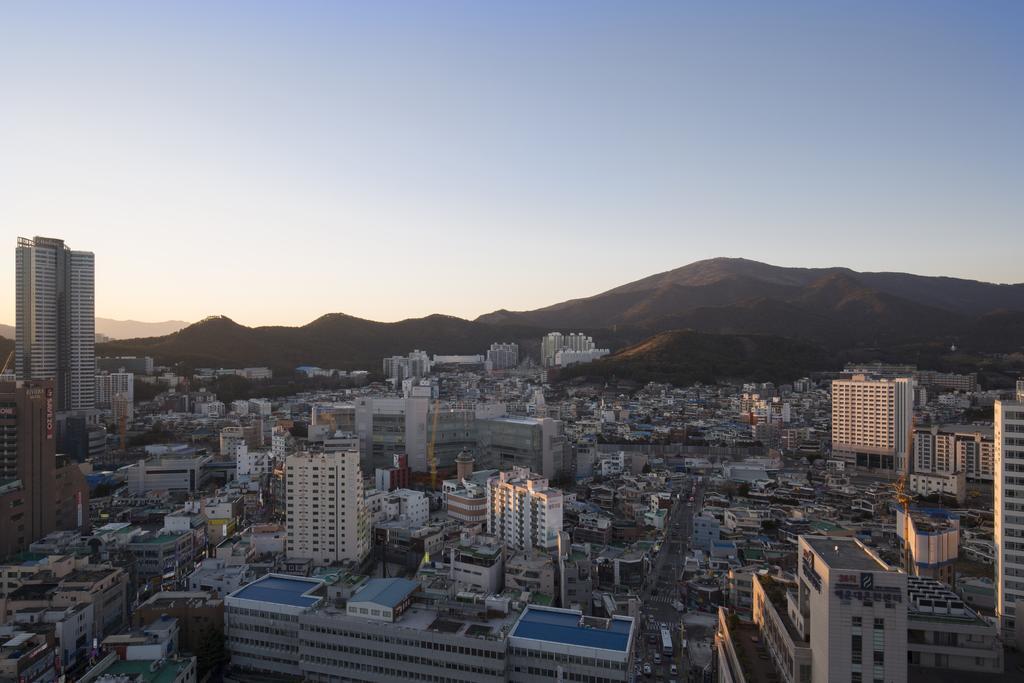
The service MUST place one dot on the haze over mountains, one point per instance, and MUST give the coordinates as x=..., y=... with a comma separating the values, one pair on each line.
x=828, y=310
x=121, y=329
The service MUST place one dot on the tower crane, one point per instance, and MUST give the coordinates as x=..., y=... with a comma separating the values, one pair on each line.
x=7, y=362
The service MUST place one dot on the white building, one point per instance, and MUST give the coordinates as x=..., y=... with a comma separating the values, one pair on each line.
x=523, y=511
x=872, y=422
x=502, y=356
x=326, y=509
x=1009, y=514
x=55, y=320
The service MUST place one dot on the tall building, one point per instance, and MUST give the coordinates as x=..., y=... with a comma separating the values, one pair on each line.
x=559, y=350
x=327, y=519
x=502, y=356
x=534, y=443
x=39, y=492
x=55, y=320
x=872, y=422
x=523, y=511
x=1009, y=514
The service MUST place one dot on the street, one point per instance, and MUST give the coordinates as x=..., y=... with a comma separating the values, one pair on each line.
x=661, y=590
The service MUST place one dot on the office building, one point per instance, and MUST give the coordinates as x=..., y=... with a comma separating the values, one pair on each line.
x=39, y=491
x=537, y=444
x=523, y=511
x=563, y=644
x=55, y=320
x=1008, y=534
x=327, y=520
x=872, y=422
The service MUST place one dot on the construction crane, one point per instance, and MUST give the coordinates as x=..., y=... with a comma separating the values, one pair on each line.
x=903, y=499
x=7, y=362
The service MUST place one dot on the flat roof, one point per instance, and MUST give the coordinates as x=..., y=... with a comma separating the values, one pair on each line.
x=571, y=628
x=281, y=590
x=844, y=553
x=385, y=592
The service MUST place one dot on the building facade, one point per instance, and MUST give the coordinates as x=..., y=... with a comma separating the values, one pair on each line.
x=1008, y=534
x=872, y=422
x=55, y=320
x=327, y=520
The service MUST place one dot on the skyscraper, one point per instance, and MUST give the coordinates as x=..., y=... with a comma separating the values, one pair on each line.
x=55, y=336
x=873, y=421
x=1009, y=514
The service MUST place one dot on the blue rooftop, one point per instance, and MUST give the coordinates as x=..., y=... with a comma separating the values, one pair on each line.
x=565, y=626
x=385, y=592
x=281, y=590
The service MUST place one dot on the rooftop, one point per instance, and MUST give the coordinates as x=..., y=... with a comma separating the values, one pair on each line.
x=844, y=553
x=385, y=592
x=570, y=627
x=292, y=591
x=165, y=673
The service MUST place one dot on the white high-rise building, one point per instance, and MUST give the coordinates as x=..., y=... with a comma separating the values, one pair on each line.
x=872, y=422
x=327, y=520
x=111, y=384
x=1009, y=515
x=55, y=320
x=523, y=511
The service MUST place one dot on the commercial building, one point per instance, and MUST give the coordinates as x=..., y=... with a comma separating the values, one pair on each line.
x=537, y=444
x=872, y=422
x=523, y=511
x=563, y=644
x=171, y=470
x=327, y=520
x=39, y=491
x=1008, y=534
x=138, y=365
x=55, y=320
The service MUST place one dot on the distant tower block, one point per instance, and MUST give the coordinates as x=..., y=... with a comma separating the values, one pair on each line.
x=464, y=464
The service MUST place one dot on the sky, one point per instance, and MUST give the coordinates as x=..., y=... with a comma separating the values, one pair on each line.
x=275, y=161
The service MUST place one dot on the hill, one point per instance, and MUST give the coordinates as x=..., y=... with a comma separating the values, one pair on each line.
x=836, y=307
x=335, y=341
x=685, y=357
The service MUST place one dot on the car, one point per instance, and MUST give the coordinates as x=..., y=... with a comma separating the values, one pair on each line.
x=673, y=670
x=657, y=658
x=647, y=669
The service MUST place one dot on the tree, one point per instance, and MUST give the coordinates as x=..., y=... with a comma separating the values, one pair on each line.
x=743, y=490
x=210, y=650
x=647, y=468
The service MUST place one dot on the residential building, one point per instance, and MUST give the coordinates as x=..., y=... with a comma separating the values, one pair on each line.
x=55, y=320
x=327, y=520
x=523, y=511
x=1008, y=533
x=502, y=356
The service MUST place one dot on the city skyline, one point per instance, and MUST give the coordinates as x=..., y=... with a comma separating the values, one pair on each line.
x=461, y=159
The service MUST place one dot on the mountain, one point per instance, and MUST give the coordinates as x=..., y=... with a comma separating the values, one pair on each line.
x=836, y=307
x=685, y=357
x=132, y=329
x=121, y=329
x=333, y=341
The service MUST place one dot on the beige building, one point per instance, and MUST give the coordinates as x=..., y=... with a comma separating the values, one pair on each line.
x=523, y=511
x=327, y=520
x=1009, y=514
x=872, y=422
x=955, y=448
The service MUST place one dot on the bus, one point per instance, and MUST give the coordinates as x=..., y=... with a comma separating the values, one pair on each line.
x=666, y=642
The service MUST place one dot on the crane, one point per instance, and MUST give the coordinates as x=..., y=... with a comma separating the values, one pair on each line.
x=7, y=362
x=903, y=499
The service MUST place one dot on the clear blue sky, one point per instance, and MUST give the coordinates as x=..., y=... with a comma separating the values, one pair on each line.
x=276, y=161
